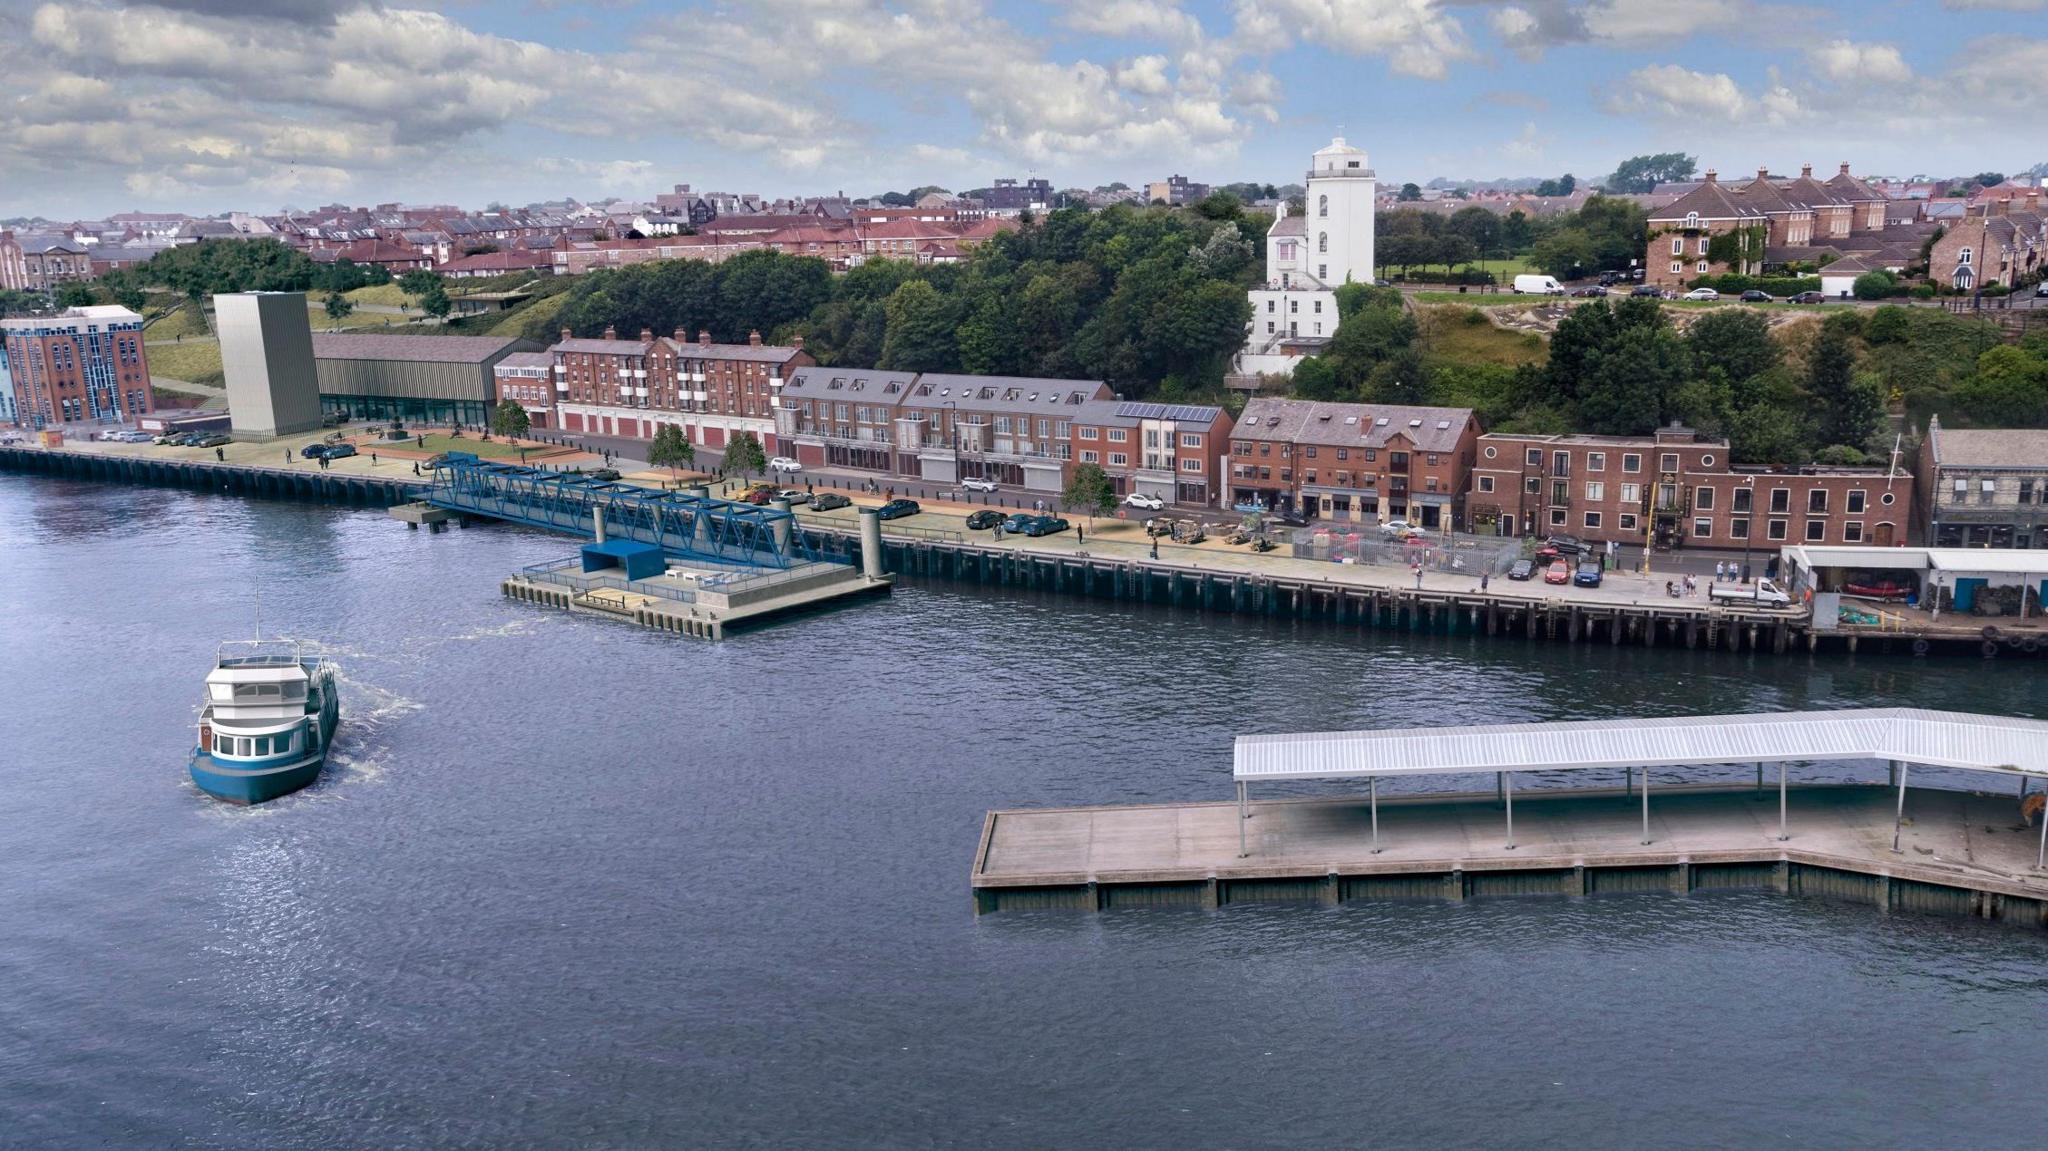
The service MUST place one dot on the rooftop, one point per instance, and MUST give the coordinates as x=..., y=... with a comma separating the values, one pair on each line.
x=416, y=349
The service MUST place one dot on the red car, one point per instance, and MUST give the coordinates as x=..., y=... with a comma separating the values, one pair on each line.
x=1559, y=572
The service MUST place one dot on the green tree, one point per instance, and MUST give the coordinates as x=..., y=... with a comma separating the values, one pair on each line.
x=989, y=341
x=922, y=327
x=339, y=308
x=1874, y=285
x=1315, y=379
x=418, y=282
x=1629, y=381
x=1516, y=232
x=1846, y=408
x=435, y=301
x=743, y=455
x=1639, y=174
x=2009, y=389
x=1736, y=341
x=1478, y=225
x=1562, y=186
x=75, y=295
x=1564, y=253
x=671, y=449
x=1409, y=193
x=509, y=420
x=1091, y=491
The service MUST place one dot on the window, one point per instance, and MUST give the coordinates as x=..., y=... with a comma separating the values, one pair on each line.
x=1319, y=307
x=1963, y=257
x=1118, y=459
x=1118, y=435
x=2026, y=496
x=1986, y=489
x=1702, y=528
x=1626, y=521
x=1781, y=501
x=1852, y=532
x=1089, y=434
x=1191, y=465
x=1535, y=458
x=1322, y=205
x=1738, y=529
x=1322, y=241
x=1703, y=499
x=1089, y=457
x=1595, y=461
x=1595, y=491
x=1816, y=531
x=1817, y=501
x=1962, y=488
x=1703, y=268
x=1677, y=246
x=1692, y=221
x=1703, y=245
x=1561, y=463
x=1192, y=440
x=1309, y=451
x=1485, y=483
x=1322, y=271
x=1557, y=517
x=1592, y=519
x=1775, y=530
x=1491, y=451
x=1631, y=462
x=1560, y=491
x=1743, y=496
x=1677, y=268
x=1343, y=453
x=1532, y=485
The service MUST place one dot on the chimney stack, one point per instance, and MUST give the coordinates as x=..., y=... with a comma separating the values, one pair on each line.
x=680, y=338
x=1845, y=167
x=754, y=338
x=610, y=333
x=567, y=334
x=1711, y=176
x=1806, y=171
x=797, y=342
x=647, y=335
x=704, y=336
x=1763, y=175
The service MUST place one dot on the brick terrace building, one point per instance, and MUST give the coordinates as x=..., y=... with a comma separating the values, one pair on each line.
x=2001, y=240
x=1677, y=489
x=40, y=263
x=1983, y=487
x=86, y=365
x=616, y=387
x=1355, y=462
x=528, y=379
x=1773, y=221
x=1021, y=432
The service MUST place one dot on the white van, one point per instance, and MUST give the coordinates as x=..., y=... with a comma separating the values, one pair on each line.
x=1538, y=286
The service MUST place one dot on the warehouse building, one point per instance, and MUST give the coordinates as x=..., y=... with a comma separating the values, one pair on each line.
x=443, y=380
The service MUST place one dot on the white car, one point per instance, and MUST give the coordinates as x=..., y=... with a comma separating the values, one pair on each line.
x=979, y=485
x=135, y=437
x=1141, y=500
x=1703, y=294
x=784, y=464
x=1397, y=527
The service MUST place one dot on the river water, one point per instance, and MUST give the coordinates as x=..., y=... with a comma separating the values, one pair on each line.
x=574, y=884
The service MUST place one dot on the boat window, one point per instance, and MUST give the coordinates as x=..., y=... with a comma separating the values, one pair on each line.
x=243, y=746
x=259, y=691
x=224, y=745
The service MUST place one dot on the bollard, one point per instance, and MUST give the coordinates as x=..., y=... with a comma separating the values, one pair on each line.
x=871, y=543
x=781, y=528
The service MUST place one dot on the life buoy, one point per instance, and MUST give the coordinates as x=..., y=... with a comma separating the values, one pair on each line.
x=1922, y=647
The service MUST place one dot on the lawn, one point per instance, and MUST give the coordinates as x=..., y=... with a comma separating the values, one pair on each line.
x=541, y=311
x=181, y=322
x=494, y=449
x=195, y=360
x=387, y=294
x=316, y=312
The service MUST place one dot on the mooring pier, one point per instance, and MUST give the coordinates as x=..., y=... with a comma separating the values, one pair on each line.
x=1890, y=844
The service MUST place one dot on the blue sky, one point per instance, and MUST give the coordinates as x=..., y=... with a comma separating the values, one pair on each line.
x=213, y=105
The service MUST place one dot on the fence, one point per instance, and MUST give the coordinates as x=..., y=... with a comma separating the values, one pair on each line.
x=1445, y=552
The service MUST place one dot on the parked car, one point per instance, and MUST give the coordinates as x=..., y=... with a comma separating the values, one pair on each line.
x=132, y=437
x=333, y=452
x=797, y=497
x=897, y=509
x=1588, y=574
x=1045, y=526
x=2041, y=290
x=784, y=464
x=1703, y=294
x=606, y=475
x=1646, y=290
x=1808, y=298
x=1522, y=569
x=1558, y=572
x=1396, y=528
x=759, y=497
x=1757, y=296
x=312, y=451
x=826, y=501
x=1590, y=291
x=1141, y=500
x=980, y=485
x=216, y=440
x=1383, y=283
x=984, y=519
x=1015, y=521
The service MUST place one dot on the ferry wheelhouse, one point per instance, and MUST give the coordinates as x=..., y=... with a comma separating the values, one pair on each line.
x=265, y=723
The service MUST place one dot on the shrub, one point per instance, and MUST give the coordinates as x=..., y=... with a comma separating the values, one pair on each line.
x=1873, y=286
x=1923, y=291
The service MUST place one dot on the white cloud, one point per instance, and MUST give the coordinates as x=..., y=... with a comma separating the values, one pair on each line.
x=1416, y=37
x=1154, y=19
x=1996, y=5
x=1674, y=92
x=1145, y=75
x=1847, y=62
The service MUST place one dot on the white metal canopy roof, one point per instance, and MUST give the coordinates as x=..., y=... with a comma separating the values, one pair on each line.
x=1910, y=735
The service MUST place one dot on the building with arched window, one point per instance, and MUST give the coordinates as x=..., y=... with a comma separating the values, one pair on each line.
x=1294, y=313
x=2001, y=241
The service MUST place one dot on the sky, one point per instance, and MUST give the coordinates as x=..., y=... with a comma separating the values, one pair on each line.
x=217, y=105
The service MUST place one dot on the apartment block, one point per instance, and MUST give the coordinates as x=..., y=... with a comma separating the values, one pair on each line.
x=1983, y=487
x=86, y=365
x=1355, y=462
x=629, y=387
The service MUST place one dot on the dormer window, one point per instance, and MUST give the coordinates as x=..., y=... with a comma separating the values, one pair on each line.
x=1692, y=219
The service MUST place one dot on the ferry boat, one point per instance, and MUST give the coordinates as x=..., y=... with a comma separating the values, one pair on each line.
x=265, y=723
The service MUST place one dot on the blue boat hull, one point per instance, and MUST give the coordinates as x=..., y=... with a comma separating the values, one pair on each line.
x=257, y=785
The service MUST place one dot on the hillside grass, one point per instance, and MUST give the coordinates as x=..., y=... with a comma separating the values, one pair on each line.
x=517, y=321
x=197, y=361
x=1465, y=335
x=182, y=321
x=386, y=294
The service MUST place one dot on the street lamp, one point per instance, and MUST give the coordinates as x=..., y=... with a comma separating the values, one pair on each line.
x=1749, y=526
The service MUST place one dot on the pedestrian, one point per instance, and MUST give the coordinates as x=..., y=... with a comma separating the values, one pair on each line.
x=999, y=536
x=287, y=457
x=1080, y=534
x=1720, y=569
x=1483, y=576
x=1418, y=577
x=220, y=454
x=373, y=459
x=1155, y=547
x=415, y=467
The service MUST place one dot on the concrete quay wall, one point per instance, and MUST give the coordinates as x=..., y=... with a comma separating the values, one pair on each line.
x=235, y=479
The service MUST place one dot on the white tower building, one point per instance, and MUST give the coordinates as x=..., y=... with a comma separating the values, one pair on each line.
x=1308, y=257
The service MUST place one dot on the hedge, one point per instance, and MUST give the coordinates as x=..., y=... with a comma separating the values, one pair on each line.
x=1734, y=284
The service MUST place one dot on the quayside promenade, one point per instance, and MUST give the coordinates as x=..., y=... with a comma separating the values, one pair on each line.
x=1886, y=843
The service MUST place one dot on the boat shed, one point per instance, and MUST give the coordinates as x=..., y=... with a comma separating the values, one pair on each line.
x=1904, y=737
x=1964, y=574
x=417, y=378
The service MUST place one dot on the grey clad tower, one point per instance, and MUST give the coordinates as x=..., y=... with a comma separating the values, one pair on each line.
x=266, y=350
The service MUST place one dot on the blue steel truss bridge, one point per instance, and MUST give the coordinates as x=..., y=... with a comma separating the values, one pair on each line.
x=682, y=524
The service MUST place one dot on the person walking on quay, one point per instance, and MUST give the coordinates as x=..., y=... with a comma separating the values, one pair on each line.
x=1720, y=569
x=220, y=454
x=373, y=459
x=1080, y=534
x=1418, y=576
x=415, y=467
x=999, y=537
x=1483, y=577
x=287, y=457
x=1155, y=547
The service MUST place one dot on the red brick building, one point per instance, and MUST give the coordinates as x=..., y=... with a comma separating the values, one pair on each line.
x=1355, y=462
x=84, y=366
x=628, y=388
x=528, y=379
x=1677, y=490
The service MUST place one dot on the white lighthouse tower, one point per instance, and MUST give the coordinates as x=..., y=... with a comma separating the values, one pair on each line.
x=1308, y=257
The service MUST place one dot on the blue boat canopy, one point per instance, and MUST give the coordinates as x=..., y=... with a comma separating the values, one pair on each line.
x=639, y=560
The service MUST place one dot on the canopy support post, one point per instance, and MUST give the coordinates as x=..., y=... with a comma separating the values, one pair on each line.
x=1782, y=836
x=1646, y=805
x=1507, y=792
x=1899, y=819
x=2041, y=855
x=1759, y=779
x=1374, y=783
x=1242, y=815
